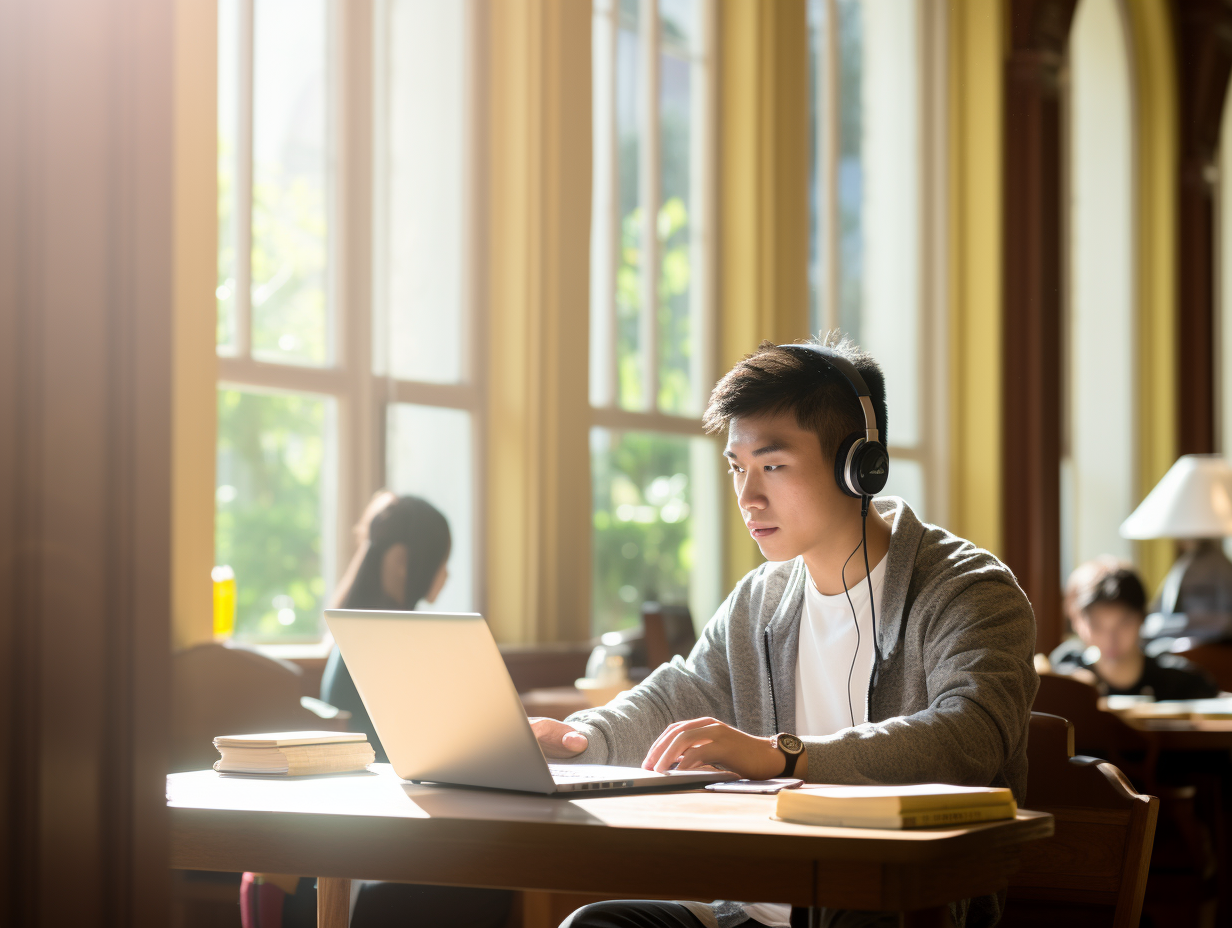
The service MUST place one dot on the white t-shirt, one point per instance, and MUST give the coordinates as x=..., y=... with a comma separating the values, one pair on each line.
x=827, y=644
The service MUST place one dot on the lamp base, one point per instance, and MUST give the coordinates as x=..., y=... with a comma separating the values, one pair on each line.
x=1195, y=600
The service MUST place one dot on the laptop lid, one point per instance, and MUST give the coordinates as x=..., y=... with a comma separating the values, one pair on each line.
x=440, y=698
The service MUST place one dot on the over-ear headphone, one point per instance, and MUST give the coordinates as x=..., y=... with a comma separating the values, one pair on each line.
x=862, y=463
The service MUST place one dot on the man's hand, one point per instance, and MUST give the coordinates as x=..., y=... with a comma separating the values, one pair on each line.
x=558, y=740
x=699, y=742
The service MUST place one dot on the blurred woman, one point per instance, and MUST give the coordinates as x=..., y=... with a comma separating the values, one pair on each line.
x=401, y=561
x=402, y=548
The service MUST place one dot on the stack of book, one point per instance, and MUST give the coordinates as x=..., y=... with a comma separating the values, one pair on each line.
x=918, y=806
x=293, y=753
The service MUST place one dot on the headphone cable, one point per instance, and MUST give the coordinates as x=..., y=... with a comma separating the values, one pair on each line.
x=868, y=575
x=855, y=619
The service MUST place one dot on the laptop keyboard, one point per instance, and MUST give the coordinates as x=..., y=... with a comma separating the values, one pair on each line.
x=565, y=772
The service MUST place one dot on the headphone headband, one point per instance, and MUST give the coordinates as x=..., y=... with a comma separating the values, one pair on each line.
x=840, y=365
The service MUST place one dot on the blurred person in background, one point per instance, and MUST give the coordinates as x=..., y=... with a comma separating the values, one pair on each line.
x=402, y=551
x=1106, y=604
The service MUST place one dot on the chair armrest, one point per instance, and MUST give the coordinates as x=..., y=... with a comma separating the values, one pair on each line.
x=324, y=710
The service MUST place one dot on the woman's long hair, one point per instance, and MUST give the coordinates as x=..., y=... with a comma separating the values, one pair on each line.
x=410, y=521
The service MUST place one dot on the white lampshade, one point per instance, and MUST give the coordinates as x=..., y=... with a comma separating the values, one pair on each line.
x=1193, y=500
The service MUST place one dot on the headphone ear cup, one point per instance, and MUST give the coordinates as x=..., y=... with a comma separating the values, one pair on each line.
x=841, y=473
x=870, y=468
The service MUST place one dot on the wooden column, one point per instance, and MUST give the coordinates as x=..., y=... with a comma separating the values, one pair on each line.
x=1031, y=306
x=1203, y=36
x=86, y=302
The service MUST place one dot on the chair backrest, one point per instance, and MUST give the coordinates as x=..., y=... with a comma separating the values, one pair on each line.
x=1097, y=733
x=668, y=630
x=1093, y=869
x=1216, y=659
x=219, y=690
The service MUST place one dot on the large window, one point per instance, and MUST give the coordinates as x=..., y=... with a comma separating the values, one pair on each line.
x=331, y=348
x=655, y=477
x=1097, y=469
x=877, y=197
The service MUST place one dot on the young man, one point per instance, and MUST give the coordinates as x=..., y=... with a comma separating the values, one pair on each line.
x=930, y=681
x=1106, y=605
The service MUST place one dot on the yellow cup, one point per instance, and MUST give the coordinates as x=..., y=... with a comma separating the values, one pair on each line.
x=224, y=601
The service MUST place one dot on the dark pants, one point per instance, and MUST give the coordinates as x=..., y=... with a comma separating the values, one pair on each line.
x=649, y=913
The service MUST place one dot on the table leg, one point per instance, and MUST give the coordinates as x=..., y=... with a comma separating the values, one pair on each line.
x=937, y=917
x=333, y=902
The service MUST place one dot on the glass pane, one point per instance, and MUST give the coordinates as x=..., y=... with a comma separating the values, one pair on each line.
x=889, y=212
x=677, y=392
x=1102, y=371
x=275, y=510
x=655, y=525
x=629, y=107
x=290, y=214
x=818, y=122
x=430, y=453
x=228, y=132
x=424, y=200
x=678, y=22
x=604, y=240
x=850, y=167
x=907, y=481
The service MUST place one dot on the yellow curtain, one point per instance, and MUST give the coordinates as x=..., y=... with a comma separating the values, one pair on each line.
x=1155, y=130
x=763, y=196
x=537, y=544
x=976, y=40
x=195, y=365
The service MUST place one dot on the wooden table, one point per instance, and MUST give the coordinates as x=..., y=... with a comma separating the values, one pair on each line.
x=689, y=845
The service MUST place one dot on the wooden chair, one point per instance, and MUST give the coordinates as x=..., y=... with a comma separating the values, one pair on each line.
x=220, y=690
x=1216, y=659
x=1093, y=870
x=1096, y=733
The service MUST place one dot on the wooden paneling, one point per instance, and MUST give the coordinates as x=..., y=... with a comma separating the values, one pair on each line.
x=85, y=459
x=1203, y=35
x=1031, y=306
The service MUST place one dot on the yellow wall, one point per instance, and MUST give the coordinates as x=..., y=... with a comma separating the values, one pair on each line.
x=195, y=365
x=976, y=30
x=763, y=196
x=1156, y=131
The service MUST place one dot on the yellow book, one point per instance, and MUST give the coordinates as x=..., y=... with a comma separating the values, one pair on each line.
x=790, y=809
x=884, y=801
x=278, y=763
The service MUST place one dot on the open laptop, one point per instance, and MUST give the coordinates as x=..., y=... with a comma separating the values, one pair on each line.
x=446, y=710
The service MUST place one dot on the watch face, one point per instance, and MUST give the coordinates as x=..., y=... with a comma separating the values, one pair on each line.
x=790, y=743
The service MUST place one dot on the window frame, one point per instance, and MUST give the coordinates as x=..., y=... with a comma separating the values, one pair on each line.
x=932, y=451
x=607, y=413
x=356, y=95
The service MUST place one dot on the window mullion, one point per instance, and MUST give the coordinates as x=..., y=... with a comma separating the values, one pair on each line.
x=611, y=335
x=649, y=197
x=243, y=183
x=829, y=128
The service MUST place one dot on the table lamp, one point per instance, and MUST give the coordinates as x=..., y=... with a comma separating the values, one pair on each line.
x=1193, y=504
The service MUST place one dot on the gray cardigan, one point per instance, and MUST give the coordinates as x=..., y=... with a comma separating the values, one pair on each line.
x=948, y=702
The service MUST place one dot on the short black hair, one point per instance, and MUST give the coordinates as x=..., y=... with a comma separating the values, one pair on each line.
x=774, y=379
x=1105, y=579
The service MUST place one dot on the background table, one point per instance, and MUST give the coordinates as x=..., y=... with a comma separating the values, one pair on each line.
x=690, y=845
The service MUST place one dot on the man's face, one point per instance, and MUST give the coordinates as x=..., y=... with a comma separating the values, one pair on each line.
x=785, y=488
x=1111, y=627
